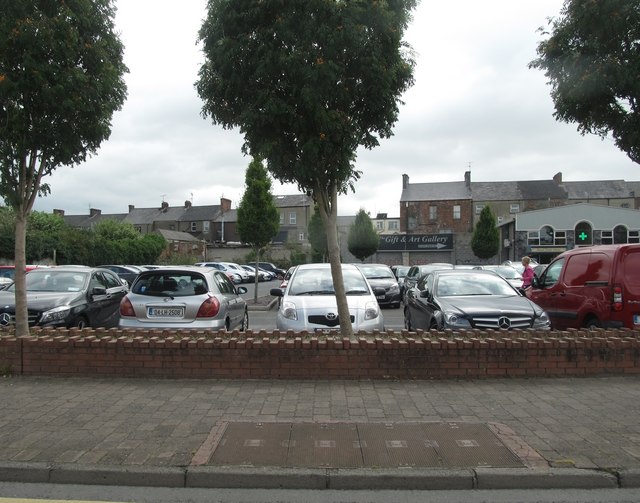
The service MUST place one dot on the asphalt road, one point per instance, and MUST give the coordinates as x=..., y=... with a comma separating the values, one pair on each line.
x=266, y=320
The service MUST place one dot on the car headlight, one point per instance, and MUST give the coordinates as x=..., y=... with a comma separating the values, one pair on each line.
x=56, y=314
x=394, y=288
x=453, y=320
x=371, y=310
x=289, y=310
x=541, y=320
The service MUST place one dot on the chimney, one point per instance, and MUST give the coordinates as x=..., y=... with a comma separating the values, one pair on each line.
x=131, y=207
x=187, y=204
x=225, y=204
x=165, y=206
x=93, y=212
x=557, y=178
x=60, y=213
x=467, y=179
x=405, y=181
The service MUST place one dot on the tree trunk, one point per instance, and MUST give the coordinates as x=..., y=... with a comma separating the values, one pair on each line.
x=328, y=203
x=257, y=278
x=22, y=317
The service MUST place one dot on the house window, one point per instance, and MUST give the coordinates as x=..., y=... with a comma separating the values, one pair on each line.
x=456, y=212
x=281, y=218
x=620, y=235
x=301, y=236
x=138, y=228
x=533, y=238
x=194, y=226
x=479, y=208
x=433, y=212
x=500, y=219
x=292, y=218
x=514, y=208
x=393, y=225
x=205, y=226
x=379, y=225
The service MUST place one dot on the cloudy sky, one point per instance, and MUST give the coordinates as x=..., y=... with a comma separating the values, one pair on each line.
x=475, y=106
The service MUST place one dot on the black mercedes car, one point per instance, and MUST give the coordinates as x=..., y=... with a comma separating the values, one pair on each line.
x=465, y=299
x=68, y=297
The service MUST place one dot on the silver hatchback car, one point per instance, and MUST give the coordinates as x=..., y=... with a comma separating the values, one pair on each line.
x=184, y=298
x=309, y=302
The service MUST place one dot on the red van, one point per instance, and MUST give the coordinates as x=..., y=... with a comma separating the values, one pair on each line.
x=595, y=286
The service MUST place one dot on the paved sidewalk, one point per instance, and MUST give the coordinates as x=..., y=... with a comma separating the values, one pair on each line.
x=571, y=432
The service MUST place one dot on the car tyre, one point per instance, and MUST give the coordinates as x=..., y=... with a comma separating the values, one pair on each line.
x=244, y=326
x=79, y=322
x=407, y=321
x=592, y=323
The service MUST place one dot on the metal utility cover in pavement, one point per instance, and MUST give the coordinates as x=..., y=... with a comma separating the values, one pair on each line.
x=357, y=445
x=256, y=444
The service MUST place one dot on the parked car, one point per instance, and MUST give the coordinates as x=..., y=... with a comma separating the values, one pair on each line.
x=506, y=271
x=235, y=277
x=268, y=266
x=67, y=296
x=308, y=301
x=416, y=271
x=595, y=286
x=400, y=271
x=466, y=299
x=186, y=297
x=262, y=275
x=125, y=272
x=381, y=275
x=244, y=275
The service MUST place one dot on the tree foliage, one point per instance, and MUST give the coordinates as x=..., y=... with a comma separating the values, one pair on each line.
x=61, y=80
x=592, y=61
x=317, y=236
x=363, y=240
x=258, y=217
x=308, y=82
x=485, y=241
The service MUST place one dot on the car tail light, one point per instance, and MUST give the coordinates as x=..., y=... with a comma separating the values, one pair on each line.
x=209, y=308
x=617, y=298
x=126, y=308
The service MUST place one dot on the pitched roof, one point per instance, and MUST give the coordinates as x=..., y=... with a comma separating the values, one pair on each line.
x=292, y=200
x=177, y=235
x=439, y=191
x=598, y=189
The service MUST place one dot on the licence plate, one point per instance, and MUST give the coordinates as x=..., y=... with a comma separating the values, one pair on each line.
x=636, y=319
x=165, y=312
x=380, y=297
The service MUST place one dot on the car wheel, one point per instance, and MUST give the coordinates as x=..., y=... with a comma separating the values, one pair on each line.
x=592, y=322
x=407, y=321
x=79, y=322
x=396, y=306
x=433, y=325
x=244, y=326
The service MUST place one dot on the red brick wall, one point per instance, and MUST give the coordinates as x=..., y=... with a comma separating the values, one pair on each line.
x=273, y=355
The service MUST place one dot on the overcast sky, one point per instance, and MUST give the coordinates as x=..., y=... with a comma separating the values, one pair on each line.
x=475, y=106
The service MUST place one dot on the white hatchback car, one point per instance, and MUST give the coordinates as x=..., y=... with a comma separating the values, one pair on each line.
x=309, y=301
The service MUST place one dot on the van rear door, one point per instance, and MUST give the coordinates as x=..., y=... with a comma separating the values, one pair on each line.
x=628, y=275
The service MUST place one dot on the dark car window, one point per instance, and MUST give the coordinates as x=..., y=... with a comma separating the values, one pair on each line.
x=111, y=280
x=174, y=283
x=224, y=284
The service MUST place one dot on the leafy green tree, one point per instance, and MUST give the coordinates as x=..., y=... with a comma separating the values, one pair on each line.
x=363, y=240
x=258, y=217
x=317, y=235
x=308, y=82
x=61, y=80
x=592, y=61
x=485, y=241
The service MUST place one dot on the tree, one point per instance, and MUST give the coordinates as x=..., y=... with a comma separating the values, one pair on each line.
x=363, y=240
x=485, y=241
x=258, y=217
x=61, y=80
x=307, y=82
x=317, y=235
x=592, y=61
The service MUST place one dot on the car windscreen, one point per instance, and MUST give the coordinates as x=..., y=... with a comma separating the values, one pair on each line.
x=174, y=284
x=320, y=282
x=55, y=281
x=457, y=285
x=377, y=272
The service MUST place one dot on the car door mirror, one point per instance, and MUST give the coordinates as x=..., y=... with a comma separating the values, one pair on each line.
x=99, y=290
x=378, y=290
x=535, y=282
x=425, y=294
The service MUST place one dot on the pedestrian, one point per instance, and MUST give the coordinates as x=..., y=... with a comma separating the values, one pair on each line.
x=527, y=273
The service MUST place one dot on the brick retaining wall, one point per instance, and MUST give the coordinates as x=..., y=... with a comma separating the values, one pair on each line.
x=397, y=355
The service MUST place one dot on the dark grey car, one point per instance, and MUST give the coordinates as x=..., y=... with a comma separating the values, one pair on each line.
x=468, y=299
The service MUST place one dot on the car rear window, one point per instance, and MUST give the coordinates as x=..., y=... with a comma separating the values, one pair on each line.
x=175, y=284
